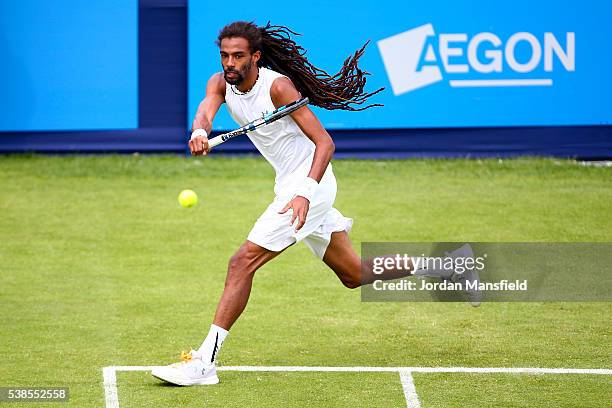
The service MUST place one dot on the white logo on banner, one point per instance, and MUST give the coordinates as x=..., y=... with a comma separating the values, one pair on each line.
x=413, y=59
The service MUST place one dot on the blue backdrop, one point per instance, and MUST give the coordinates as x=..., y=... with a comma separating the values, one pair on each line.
x=68, y=64
x=444, y=63
x=101, y=76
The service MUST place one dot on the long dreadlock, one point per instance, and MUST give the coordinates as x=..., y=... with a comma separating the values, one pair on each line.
x=280, y=53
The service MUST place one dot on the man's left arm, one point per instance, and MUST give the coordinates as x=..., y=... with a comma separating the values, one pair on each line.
x=283, y=92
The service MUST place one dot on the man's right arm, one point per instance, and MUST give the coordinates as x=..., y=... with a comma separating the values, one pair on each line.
x=208, y=108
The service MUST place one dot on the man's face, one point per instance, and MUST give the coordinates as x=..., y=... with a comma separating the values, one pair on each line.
x=237, y=59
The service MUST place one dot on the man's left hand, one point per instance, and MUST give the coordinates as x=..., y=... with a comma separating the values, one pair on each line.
x=299, y=205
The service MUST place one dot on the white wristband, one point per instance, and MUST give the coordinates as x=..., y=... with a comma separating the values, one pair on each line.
x=198, y=132
x=307, y=188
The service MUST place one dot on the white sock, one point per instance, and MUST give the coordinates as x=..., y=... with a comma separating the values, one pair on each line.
x=423, y=269
x=212, y=344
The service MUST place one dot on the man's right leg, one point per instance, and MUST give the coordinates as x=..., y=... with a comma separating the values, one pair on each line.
x=240, y=272
x=238, y=282
x=198, y=367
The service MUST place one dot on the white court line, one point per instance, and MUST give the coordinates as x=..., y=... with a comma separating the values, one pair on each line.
x=110, y=386
x=112, y=396
x=484, y=370
x=412, y=399
x=526, y=370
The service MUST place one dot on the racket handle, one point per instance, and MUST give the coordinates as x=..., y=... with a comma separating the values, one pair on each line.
x=215, y=141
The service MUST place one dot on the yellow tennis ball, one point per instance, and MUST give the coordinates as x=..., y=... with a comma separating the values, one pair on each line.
x=188, y=198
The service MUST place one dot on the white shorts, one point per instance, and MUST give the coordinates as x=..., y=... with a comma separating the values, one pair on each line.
x=273, y=232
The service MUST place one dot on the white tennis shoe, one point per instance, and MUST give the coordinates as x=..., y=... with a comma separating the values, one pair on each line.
x=190, y=371
x=471, y=275
x=471, y=292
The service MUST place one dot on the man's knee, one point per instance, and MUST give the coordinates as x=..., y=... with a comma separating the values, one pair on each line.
x=350, y=275
x=351, y=282
x=240, y=265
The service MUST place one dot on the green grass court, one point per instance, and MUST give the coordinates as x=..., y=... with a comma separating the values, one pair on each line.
x=100, y=267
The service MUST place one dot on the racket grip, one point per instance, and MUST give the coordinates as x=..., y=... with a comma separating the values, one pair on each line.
x=215, y=141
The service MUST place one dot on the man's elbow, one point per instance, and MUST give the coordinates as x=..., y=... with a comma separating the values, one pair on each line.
x=331, y=147
x=326, y=145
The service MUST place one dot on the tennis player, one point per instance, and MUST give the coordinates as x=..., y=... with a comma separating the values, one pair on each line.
x=263, y=69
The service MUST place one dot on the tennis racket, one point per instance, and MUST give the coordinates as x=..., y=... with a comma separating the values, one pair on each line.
x=266, y=118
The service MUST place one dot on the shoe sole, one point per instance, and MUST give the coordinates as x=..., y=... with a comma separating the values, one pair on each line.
x=474, y=296
x=186, y=383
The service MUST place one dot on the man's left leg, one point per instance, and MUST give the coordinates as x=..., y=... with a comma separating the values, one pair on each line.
x=344, y=261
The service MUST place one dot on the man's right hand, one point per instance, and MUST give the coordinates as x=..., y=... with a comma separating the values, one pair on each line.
x=199, y=146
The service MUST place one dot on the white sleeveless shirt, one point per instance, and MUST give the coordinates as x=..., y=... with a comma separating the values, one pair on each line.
x=282, y=143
